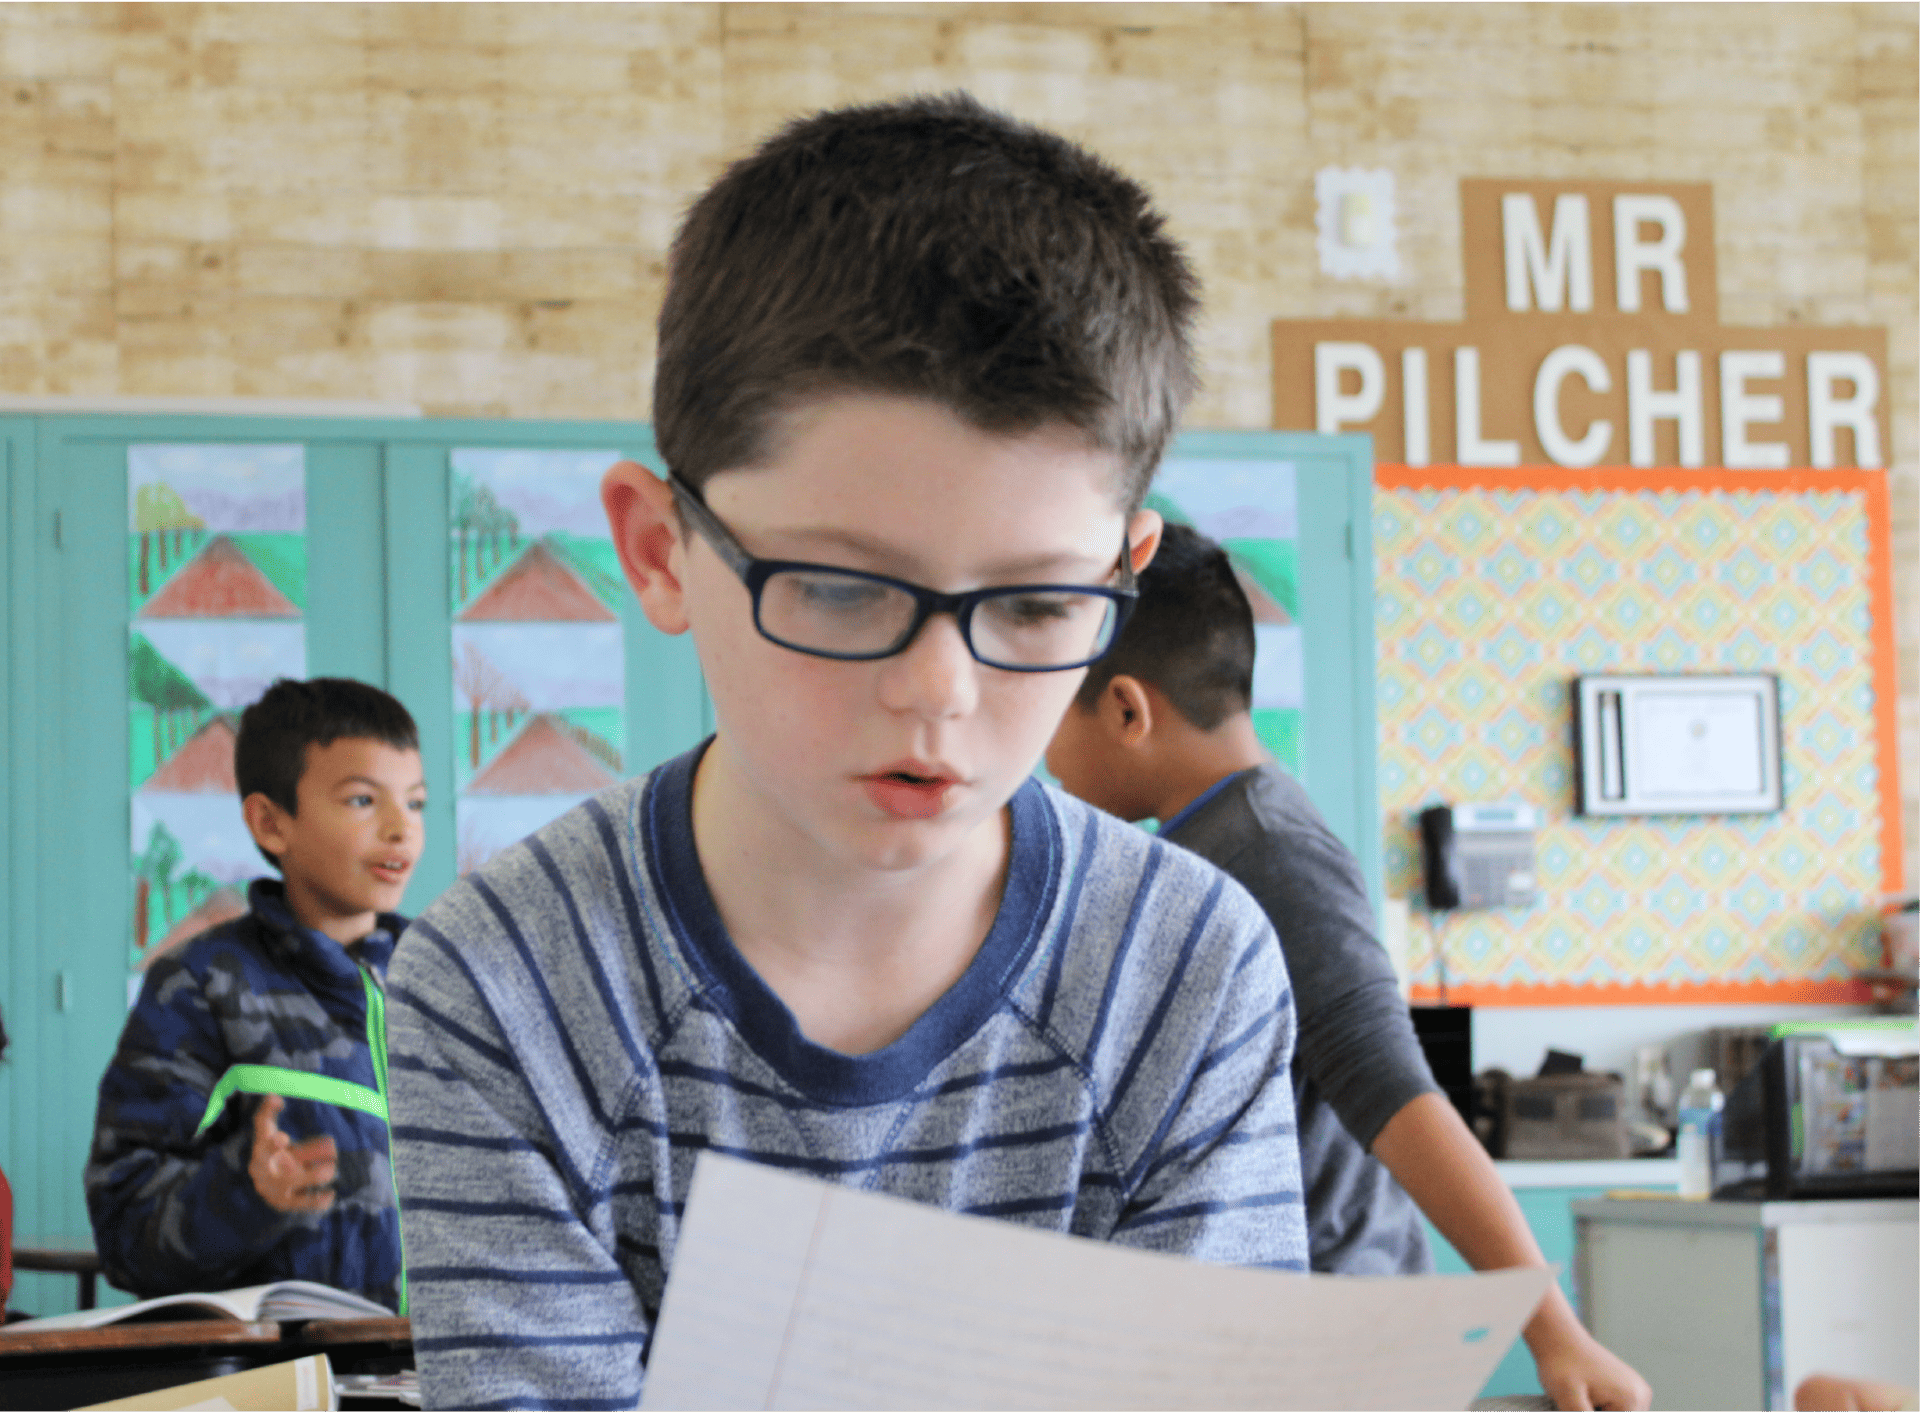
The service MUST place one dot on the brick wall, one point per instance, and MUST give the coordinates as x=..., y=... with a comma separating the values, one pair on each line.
x=468, y=206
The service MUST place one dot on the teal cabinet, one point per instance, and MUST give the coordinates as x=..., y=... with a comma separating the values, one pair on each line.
x=377, y=494
x=377, y=521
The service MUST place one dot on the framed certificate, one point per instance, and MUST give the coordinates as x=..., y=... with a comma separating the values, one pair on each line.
x=1678, y=744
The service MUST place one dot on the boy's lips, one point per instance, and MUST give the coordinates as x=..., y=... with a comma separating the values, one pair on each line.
x=910, y=789
x=392, y=870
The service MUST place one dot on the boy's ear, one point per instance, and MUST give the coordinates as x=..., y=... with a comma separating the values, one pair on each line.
x=646, y=532
x=266, y=821
x=1126, y=711
x=1143, y=537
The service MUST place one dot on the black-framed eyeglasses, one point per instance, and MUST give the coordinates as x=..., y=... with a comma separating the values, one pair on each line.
x=852, y=616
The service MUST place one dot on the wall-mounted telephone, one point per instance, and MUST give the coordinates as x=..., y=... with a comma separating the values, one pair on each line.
x=1478, y=856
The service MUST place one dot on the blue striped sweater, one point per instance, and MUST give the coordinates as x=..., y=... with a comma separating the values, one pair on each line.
x=570, y=1026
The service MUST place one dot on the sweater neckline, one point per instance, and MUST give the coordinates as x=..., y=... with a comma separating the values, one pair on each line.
x=730, y=986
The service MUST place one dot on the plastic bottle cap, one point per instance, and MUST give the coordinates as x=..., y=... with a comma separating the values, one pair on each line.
x=1703, y=1077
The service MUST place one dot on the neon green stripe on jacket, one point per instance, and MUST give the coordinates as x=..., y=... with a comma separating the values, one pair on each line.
x=289, y=1083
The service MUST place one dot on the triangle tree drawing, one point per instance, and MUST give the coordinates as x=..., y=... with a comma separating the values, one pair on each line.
x=549, y=756
x=179, y=708
x=165, y=531
x=220, y=582
x=491, y=697
x=204, y=764
x=538, y=587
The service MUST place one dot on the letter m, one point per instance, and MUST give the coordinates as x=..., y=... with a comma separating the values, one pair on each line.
x=1560, y=270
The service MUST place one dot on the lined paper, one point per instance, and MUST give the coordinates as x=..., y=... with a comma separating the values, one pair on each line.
x=787, y=1292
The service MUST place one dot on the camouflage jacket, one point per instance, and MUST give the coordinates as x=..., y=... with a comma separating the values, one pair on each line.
x=174, y=1212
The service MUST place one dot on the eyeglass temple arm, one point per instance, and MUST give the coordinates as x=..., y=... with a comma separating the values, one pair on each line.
x=1128, y=583
x=732, y=553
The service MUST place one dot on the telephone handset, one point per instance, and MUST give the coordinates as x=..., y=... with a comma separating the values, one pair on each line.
x=1440, y=858
x=1478, y=856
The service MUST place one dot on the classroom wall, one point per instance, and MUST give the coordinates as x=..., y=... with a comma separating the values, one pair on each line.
x=467, y=206
x=1494, y=590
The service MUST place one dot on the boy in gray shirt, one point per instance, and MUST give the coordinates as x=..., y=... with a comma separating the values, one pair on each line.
x=1161, y=729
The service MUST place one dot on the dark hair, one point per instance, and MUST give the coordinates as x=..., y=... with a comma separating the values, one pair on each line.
x=271, y=753
x=928, y=247
x=1191, y=633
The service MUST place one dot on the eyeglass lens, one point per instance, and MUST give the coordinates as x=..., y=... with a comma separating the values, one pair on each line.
x=846, y=615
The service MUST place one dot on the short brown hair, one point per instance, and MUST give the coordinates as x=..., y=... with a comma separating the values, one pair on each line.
x=928, y=247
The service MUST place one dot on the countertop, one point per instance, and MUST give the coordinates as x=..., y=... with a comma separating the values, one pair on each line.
x=1623, y=1171
x=1830, y=1211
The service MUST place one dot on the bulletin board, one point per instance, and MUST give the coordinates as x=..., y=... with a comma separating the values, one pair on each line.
x=1496, y=588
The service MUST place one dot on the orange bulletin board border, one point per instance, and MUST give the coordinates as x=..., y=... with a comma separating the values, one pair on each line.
x=1871, y=485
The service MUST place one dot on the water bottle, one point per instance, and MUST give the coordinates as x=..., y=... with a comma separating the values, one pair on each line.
x=1699, y=1138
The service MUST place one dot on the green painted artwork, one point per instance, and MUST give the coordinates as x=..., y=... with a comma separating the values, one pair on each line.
x=216, y=575
x=539, y=659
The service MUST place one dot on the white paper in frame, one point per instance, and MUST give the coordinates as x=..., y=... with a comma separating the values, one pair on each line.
x=1702, y=744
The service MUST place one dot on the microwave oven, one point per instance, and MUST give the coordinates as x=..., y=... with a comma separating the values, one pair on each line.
x=1830, y=1109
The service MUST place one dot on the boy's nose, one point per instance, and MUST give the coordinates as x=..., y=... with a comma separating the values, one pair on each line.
x=935, y=676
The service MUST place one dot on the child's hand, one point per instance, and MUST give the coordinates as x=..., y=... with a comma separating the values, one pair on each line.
x=1578, y=1373
x=289, y=1175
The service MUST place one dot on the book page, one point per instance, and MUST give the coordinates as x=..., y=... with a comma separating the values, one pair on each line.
x=239, y=1304
x=283, y=1300
x=787, y=1292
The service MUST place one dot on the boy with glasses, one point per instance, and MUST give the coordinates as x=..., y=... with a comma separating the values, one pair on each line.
x=917, y=366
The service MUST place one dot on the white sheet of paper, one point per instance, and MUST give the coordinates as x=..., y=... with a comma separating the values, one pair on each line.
x=1695, y=743
x=787, y=1292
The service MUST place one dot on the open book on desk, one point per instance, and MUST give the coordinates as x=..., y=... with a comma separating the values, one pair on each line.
x=786, y=1292
x=285, y=1301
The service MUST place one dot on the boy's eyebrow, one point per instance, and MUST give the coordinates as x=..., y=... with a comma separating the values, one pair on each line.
x=1037, y=565
x=376, y=784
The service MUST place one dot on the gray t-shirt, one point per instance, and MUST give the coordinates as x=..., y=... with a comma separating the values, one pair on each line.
x=1358, y=1061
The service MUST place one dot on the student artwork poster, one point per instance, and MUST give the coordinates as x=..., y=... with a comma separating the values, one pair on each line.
x=1251, y=509
x=539, y=666
x=217, y=588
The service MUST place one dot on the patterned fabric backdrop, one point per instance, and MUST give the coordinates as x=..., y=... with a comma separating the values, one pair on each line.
x=1496, y=588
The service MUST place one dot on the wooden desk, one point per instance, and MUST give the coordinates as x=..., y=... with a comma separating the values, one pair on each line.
x=75, y=1367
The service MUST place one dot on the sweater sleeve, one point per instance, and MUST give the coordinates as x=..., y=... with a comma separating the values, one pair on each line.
x=1220, y=1179
x=515, y=1288
x=172, y=1212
